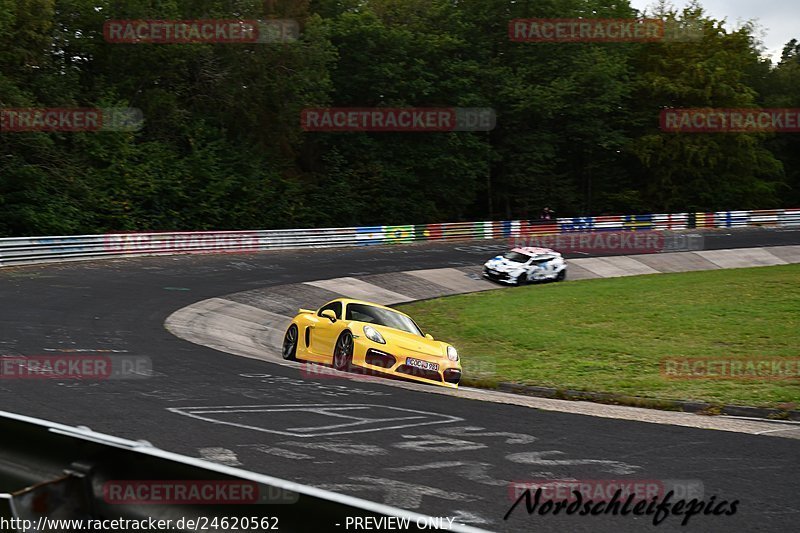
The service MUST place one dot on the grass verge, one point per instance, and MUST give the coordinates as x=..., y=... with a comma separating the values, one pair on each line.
x=610, y=335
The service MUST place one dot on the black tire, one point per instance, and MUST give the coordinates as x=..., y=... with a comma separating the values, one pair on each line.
x=289, y=350
x=522, y=279
x=343, y=352
x=561, y=276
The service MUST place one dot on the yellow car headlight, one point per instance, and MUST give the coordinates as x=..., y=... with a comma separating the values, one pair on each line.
x=452, y=353
x=374, y=335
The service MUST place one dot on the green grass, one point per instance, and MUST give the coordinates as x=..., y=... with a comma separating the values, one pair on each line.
x=609, y=335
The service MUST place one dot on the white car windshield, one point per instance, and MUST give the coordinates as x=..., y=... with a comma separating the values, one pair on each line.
x=516, y=257
x=382, y=317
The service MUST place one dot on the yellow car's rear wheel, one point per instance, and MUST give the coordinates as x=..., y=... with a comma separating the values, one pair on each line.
x=343, y=352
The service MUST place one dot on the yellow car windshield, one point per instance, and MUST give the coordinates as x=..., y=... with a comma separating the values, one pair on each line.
x=382, y=317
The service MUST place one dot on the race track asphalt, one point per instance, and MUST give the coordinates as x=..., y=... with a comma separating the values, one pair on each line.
x=433, y=454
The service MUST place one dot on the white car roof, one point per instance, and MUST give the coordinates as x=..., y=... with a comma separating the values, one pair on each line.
x=534, y=251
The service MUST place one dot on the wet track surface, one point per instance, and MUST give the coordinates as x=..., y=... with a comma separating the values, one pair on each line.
x=434, y=454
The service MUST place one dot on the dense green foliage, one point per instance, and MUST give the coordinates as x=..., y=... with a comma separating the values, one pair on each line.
x=222, y=146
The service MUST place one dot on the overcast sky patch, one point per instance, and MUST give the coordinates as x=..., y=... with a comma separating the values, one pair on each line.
x=779, y=20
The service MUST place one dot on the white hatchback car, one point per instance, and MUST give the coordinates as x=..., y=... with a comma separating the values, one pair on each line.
x=526, y=265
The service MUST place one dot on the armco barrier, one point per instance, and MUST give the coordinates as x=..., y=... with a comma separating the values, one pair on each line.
x=26, y=250
x=51, y=471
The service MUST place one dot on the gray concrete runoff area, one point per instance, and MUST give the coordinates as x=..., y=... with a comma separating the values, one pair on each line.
x=252, y=323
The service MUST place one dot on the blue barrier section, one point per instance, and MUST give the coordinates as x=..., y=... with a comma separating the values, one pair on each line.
x=638, y=222
x=737, y=218
x=62, y=244
x=723, y=219
x=369, y=235
x=576, y=224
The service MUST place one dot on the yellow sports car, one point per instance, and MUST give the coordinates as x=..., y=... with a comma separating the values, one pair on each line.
x=349, y=333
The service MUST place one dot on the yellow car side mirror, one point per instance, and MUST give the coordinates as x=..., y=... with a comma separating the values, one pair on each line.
x=329, y=314
x=429, y=336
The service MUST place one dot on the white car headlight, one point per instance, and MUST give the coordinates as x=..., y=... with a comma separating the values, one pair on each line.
x=374, y=335
x=452, y=353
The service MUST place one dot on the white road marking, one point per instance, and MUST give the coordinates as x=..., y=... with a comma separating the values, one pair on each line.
x=398, y=493
x=475, y=431
x=469, y=470
x=222, y=456
x=467, y=517
x=437, y=443
x=538, y=458
x=278, y=452
x=406, y=418
x=351, y=424
x=170, y=396
x=341, y=446
x=320, y=411
x=329, y=390
x=84, y=350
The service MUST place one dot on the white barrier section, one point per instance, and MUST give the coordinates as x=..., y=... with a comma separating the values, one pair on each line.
x=31, y=250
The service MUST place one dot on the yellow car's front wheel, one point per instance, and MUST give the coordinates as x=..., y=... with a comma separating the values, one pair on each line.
x=289, y=350
x=343, y=352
